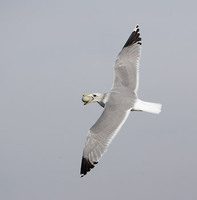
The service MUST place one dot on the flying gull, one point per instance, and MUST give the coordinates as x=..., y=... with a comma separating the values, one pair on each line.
x=117, y=103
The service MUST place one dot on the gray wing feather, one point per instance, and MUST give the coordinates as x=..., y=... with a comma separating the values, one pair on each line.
x=100, y=136
x=127, y=68
x=127, y=64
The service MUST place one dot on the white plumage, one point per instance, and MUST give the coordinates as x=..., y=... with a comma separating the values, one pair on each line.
x=118, y=103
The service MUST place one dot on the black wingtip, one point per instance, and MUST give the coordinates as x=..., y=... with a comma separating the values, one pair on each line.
x=134, y=37
x=86, y=166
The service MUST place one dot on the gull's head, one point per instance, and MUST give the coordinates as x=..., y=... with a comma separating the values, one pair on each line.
x=88, y=98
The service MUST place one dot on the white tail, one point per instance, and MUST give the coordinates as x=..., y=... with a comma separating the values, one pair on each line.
x=147, y=106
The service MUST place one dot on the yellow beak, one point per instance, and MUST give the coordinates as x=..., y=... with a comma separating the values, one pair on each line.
x=87, y=99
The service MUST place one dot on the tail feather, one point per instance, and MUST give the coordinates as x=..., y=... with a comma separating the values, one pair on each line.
x=147, y=107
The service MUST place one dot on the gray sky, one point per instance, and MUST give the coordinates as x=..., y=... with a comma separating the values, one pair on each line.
x=52, y=52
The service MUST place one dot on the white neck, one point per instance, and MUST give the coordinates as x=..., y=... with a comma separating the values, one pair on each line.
x=102, y=99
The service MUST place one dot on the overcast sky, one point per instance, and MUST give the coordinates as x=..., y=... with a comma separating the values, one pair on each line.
x=51, y=53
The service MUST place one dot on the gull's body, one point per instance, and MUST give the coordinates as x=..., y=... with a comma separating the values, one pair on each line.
x=117, y=103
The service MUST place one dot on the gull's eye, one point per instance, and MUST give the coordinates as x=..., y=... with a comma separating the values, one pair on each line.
x=94, y=95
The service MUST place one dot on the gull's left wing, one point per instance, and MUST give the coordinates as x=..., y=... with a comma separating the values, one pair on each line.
x=127, y=63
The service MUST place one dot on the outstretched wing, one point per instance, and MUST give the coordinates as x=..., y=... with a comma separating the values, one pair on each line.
x=100, y=136
x=127, y=63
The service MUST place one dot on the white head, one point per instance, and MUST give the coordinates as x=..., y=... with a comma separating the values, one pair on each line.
x=94, y=97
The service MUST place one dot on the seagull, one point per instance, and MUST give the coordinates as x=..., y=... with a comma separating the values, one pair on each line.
x=117, y=104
